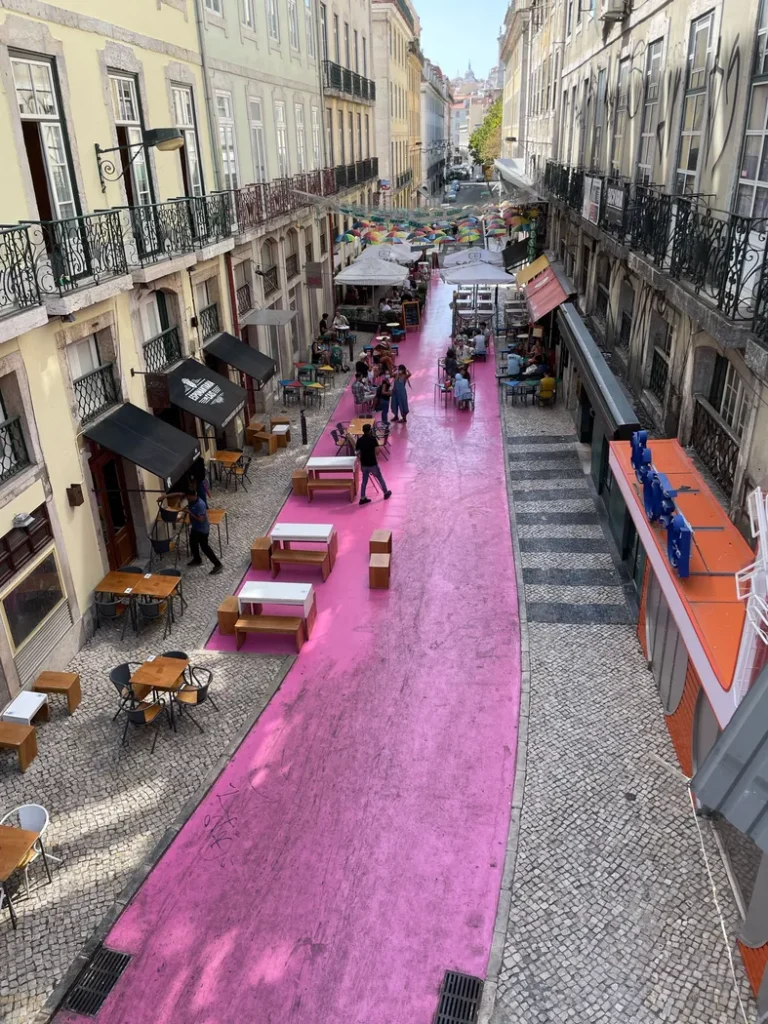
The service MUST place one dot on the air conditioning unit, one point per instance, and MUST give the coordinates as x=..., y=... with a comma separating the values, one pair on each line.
x=615, y=10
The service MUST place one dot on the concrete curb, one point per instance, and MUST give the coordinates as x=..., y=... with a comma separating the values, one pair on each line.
x=490, y=988
x=140, y=873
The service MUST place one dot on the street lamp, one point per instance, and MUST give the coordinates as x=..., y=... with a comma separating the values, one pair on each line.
x=165, y=139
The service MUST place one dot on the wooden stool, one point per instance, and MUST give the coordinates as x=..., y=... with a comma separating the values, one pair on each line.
x=299, y=479
x=261, y=553
x=378, y=572
x=251, y=435
x=20, y=738
x=381, y=542
x=60, y=682
x=269, y=439
x=256, y=425
x=275, y=421
x=228, y=614
x=283, y=434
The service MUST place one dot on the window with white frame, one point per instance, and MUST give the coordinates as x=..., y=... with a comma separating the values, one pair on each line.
x=598, y=137
x=753, y=179
x=336, y=40
x=734, y=404
x=246, y=13
x=367, y=136
x=324, y=31
x=127, y=117
x=293, y=24
x=329, y=136
x=184, y=116
x=309, y=27
x=351, y=130
x=301, y=141
x=694, y=104
x=227, y=143
x=214, y=6
x=257, y=139
x=273, y=20
x=650, y=113
x=281, y=133
x=622, y=109
x=342, y=149
x=317, y=153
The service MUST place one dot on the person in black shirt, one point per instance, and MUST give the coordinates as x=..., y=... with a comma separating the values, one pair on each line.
x=323, y=324
x=366, y=448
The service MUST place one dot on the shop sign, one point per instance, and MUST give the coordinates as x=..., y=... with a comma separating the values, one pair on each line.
x=614, y=205
x=202, y=391
x=659, y=501
x=593, y=190
x=314, y=275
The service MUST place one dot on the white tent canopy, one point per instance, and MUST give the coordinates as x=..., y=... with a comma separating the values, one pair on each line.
x=465, y=257
x=370, y=272
x=477, y=273
x=390, y=253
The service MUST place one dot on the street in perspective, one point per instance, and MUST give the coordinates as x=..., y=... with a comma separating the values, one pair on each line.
x=384, y=512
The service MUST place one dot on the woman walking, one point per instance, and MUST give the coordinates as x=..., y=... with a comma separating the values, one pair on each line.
x=383, y=395
x=400, y=394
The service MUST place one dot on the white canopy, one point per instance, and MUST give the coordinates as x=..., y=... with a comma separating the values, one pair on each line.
x=468, y=256
x=477, y=273
x=390, y=253
x=371, y=272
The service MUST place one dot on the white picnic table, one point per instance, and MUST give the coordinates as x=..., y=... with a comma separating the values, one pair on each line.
x=24, y=707
x=332, y=463
x=258, y=592
x=319, y=533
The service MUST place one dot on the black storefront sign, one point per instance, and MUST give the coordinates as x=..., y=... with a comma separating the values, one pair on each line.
x=158, y=392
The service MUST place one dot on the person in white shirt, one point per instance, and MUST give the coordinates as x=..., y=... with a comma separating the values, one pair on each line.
x=384, y=306
x=340, y=321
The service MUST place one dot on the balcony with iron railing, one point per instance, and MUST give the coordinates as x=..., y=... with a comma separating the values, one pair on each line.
x=243, y=296
x=403, y=179
x=208, y=321
x=341, y=80
x=719, y=256
x=18, y=281
x=348, y=175
x=271, y=281
x=715, y=444
x=291, y=265
x=95, y=392
x=162, y=350
x=255, y=204
x=13, y=449
x=77, y=252
x=159, y=231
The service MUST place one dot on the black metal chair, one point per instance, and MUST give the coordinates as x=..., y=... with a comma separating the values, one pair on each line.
x=381, y=431
x=148, y=714
x=110, y=610
x=239, y=472
x=120, y=677
x=195, y=693
x=150, y=610
x=162, y=546
x=341, y=442
x=137, y=569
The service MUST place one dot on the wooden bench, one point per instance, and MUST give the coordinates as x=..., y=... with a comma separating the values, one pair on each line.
x=67, y=683
x=261, y=550
x=21, y=738
x=270, y=440
x=271, y=624
x=279, y=421
x=299, y=481
x=228, y=614
x=381, y=542
x=301, y=556
x=332, y=484
x=378, y=572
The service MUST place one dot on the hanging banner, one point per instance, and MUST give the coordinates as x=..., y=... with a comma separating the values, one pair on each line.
x=314, y=275
x=593, y=190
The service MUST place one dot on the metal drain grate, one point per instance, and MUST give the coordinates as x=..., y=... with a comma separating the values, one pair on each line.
x=459, y=999
x=96, y=980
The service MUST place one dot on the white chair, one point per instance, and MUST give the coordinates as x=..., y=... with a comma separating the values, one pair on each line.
x=34, y=818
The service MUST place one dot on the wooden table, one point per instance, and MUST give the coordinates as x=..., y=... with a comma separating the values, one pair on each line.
x=161, y=674
x=226, y=459
x=15, y=844
x=356, y=426
x=216, y=516
x=149, y=585
x=256, y=593
x=283, y=534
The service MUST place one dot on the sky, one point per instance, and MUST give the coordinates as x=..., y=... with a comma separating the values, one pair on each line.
x=454, y=32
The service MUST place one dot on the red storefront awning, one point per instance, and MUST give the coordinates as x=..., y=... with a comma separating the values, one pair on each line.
x=543, y=294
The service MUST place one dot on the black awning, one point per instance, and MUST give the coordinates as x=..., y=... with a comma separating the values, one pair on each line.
x=603, y=389
x=146, y=441
x=204, y=393
x=236, y=353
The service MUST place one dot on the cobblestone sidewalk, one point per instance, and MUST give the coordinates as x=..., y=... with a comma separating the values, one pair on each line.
x=610, y=911
x=110, y=807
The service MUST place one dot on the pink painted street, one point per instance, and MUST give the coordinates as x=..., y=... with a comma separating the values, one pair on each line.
x=352, y=851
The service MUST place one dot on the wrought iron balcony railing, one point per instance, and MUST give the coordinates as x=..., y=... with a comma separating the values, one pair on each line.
x=270, y=280
x=339, y=79
x=13, y=449
x=243, y=296
x=77, y=252
x=291, y=265
x=717, y=448
x=159, y=231
x=403, y=179
x=18, y=281
x=162, y=350
x=95, y=392
x=208, y=321
x=212, y=217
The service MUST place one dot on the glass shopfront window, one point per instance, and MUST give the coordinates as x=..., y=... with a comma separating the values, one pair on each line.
x=30, y=601
x=666, y=650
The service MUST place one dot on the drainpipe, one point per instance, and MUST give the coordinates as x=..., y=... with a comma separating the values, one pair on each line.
x=207, y=90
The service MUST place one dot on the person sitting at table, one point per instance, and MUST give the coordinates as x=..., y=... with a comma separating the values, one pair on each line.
x=362, y=366
x=536, y=354
x=383, y=357
x=384, y=306
x=336, y=356
x=515, y=364
x=461, y=388
x=323, y=328
x=362, y=395
x=318, y=352
x=339, y=321
x=536, y=370
x=451, y=363
x=479, y=343
x=486, y=331
x=547, y=385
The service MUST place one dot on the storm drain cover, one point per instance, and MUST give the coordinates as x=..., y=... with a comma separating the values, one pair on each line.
x=459, y=999
x=96, y=980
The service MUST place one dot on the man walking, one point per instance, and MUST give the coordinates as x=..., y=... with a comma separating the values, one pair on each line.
x=366, y=448
x=199, y=528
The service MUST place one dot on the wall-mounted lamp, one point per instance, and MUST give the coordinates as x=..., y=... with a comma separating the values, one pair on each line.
x=164, y=139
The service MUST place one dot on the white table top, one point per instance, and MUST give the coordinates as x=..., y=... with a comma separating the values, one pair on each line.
x=257, y=592
x=341, y=327
x=24, y=706
x=341, y=462
x=320, y=532
x=281, y=428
